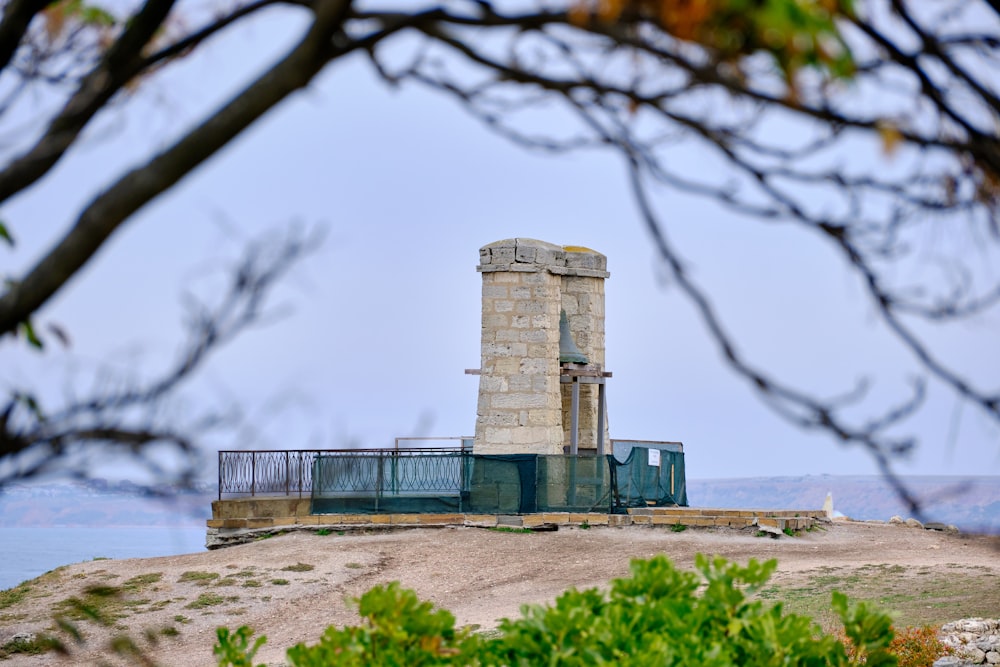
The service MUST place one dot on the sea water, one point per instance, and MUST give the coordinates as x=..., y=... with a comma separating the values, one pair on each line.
x=26, y=553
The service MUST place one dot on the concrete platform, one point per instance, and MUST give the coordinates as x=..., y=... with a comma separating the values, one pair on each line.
x=232, y=517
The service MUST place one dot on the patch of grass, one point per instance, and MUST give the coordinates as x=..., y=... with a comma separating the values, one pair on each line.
x=169, y=631
x=585, y=525
x=914, y=597
x=141, y=581
x=198, y=578
x=246, y=574
x=206, y=600
x=789, y=531
x=12, y=596
x=227, y=581
x=106, y=604
x=36, y=646
x=280, y=582
x=100, y=558
x=251, y=583
x=298, y=567
x=353, y=566
x=10, y=618
x=180, y=618
x=509, y=529
x=678, y=528
x=132, y=604
x=323, y=532
x=103, y=604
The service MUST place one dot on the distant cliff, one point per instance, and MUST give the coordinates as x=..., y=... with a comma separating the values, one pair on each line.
x=971, y=503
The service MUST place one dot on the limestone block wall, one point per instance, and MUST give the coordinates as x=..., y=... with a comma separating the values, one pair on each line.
x=526, y=283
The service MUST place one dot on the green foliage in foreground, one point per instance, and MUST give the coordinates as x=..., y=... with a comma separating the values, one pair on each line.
x=658, y=616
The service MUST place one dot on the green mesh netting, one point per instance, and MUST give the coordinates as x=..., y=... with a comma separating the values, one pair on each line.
x=390, y=482
x=650, y=476
x=420, y=482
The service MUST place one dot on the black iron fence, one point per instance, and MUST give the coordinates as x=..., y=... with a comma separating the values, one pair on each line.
x=392, y=472
x=278, y=472
x=408, y=477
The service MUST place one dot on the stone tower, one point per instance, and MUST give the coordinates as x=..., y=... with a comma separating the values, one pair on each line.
x=524, y=396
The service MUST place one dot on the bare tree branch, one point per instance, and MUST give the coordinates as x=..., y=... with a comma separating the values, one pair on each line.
x=137, y=188
x=117, y=67
x=35, y=440
x=17, y=14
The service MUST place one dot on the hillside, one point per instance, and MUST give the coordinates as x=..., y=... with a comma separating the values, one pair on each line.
x=292, y=586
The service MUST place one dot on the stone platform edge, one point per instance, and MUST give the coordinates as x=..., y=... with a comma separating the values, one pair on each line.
x=293, y=513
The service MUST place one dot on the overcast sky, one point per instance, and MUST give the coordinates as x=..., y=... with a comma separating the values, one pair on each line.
x=378, y=326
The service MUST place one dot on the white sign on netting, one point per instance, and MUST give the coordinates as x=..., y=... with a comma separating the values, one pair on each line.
x=654, y=457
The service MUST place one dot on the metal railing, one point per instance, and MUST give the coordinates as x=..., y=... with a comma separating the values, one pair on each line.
x=391, y=472
x=289, y=472
x=361, y=471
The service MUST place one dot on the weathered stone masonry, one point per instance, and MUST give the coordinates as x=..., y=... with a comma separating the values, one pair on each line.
x=526, y=283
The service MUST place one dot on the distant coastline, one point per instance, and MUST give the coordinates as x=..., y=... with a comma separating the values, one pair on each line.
x=971, y=503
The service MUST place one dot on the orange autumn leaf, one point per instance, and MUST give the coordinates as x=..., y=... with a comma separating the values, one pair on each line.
x=55, y=20
x=609, y=10
x=684, y=18
x=890, y=135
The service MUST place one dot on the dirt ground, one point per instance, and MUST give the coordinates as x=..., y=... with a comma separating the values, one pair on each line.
x=292, y=586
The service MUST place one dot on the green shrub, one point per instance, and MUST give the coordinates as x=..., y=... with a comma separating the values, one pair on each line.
x=658, y=616
x=915, y=647
x=234, y=649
